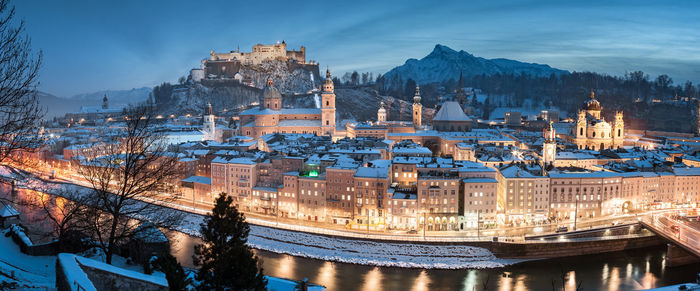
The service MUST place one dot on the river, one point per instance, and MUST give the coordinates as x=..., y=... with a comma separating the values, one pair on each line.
x=629, y=270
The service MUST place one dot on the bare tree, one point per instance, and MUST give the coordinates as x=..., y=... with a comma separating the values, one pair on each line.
x=129, y=182
x=19, y=72
x=62, y=209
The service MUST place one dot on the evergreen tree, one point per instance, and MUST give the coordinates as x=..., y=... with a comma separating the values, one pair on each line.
x=225, y=261
x=475, y=102
x=174, y=272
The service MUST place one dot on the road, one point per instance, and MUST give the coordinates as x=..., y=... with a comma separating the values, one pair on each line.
x=682, y=231
x=341, y=230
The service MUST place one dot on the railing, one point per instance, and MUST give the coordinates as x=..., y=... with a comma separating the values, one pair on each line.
x=680, y=233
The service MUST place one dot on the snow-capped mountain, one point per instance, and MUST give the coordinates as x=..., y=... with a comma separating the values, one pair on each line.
x=444, y=63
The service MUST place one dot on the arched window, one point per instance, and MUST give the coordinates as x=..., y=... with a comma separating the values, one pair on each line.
x=619, y=132
x=581, y=132
x=594, y=134
x=328, y=103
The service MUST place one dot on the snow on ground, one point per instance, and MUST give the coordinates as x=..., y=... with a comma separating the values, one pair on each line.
x=365, y=252
x=30, y=272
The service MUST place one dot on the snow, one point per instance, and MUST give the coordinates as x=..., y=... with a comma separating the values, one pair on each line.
x=198, y=179
x=444, y=63
x=450, y=111
x=8, y=211
x=300, y=241
x=75, y=276
x=16, y=229
x=30, y=272
x=155, y=279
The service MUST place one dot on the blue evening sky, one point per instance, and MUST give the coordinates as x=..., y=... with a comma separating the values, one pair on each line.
x=94, y=45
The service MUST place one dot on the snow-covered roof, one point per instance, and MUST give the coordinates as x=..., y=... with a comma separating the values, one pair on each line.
x=302, y=123
x=366, y=172
x=198, y=179
x=450, y=111
x=8, y=211
x=300, y=111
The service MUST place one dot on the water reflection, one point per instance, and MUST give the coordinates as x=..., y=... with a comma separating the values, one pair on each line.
x=638, y=269
x=614, y=282
x=571, y=280
x=373, y=280
x=470, y=280
x=286, y=268
x=422, y=282
x=505, y=281
x=327, y=275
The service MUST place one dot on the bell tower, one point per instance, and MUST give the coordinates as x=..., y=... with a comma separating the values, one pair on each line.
x=105, y=104
x=209, y=124
x=549, y=147
x=580, y=134
x=381, y=113
x=618, y=130
x=417, y=109
x=328, y=105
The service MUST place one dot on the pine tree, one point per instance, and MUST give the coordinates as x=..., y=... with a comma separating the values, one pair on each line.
x=225, y=261
x=174, y=272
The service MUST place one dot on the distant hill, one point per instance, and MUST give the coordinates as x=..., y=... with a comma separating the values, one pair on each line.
x=57, y=106
x=444, y=63
x=117, y=98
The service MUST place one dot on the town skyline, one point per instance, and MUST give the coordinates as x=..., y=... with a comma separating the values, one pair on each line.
x=156, y=45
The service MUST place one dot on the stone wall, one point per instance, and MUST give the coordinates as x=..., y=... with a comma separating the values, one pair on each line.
x=104, y=280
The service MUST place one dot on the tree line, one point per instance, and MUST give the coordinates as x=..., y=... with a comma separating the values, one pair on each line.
x=566, y=91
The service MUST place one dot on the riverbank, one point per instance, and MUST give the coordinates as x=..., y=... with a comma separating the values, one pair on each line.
x=443, y=254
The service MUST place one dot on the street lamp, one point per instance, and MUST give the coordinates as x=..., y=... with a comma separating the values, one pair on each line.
x=424, y=224
x=576, y=212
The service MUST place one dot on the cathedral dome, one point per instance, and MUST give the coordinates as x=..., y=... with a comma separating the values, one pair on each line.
x=592, y=104
x=270, y=92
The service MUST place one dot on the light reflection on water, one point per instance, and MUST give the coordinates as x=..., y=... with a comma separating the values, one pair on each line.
x=422, y=283
x=639, y=269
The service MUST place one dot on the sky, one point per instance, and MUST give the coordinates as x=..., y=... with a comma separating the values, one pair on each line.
x=110, y=45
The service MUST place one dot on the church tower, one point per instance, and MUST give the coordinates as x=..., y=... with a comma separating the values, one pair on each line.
x=328, y=105
x=549, y=147
x=105, y=104
x=417, y=109
x=581, y=130
x=460, y=95
x=593, y=107
x=618, y=130
x=271, y=96
x=381, y=113
x=209, y=125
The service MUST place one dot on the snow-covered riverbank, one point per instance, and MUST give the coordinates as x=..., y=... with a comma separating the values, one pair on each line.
x=316, y=246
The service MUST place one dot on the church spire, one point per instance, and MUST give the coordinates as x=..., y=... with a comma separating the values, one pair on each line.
x=416, y=96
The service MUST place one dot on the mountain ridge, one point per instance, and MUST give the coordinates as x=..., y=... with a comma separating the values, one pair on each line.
x=444, y=63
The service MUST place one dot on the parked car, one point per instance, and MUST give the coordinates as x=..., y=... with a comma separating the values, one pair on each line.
x=412, y=231
x=562, y=229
